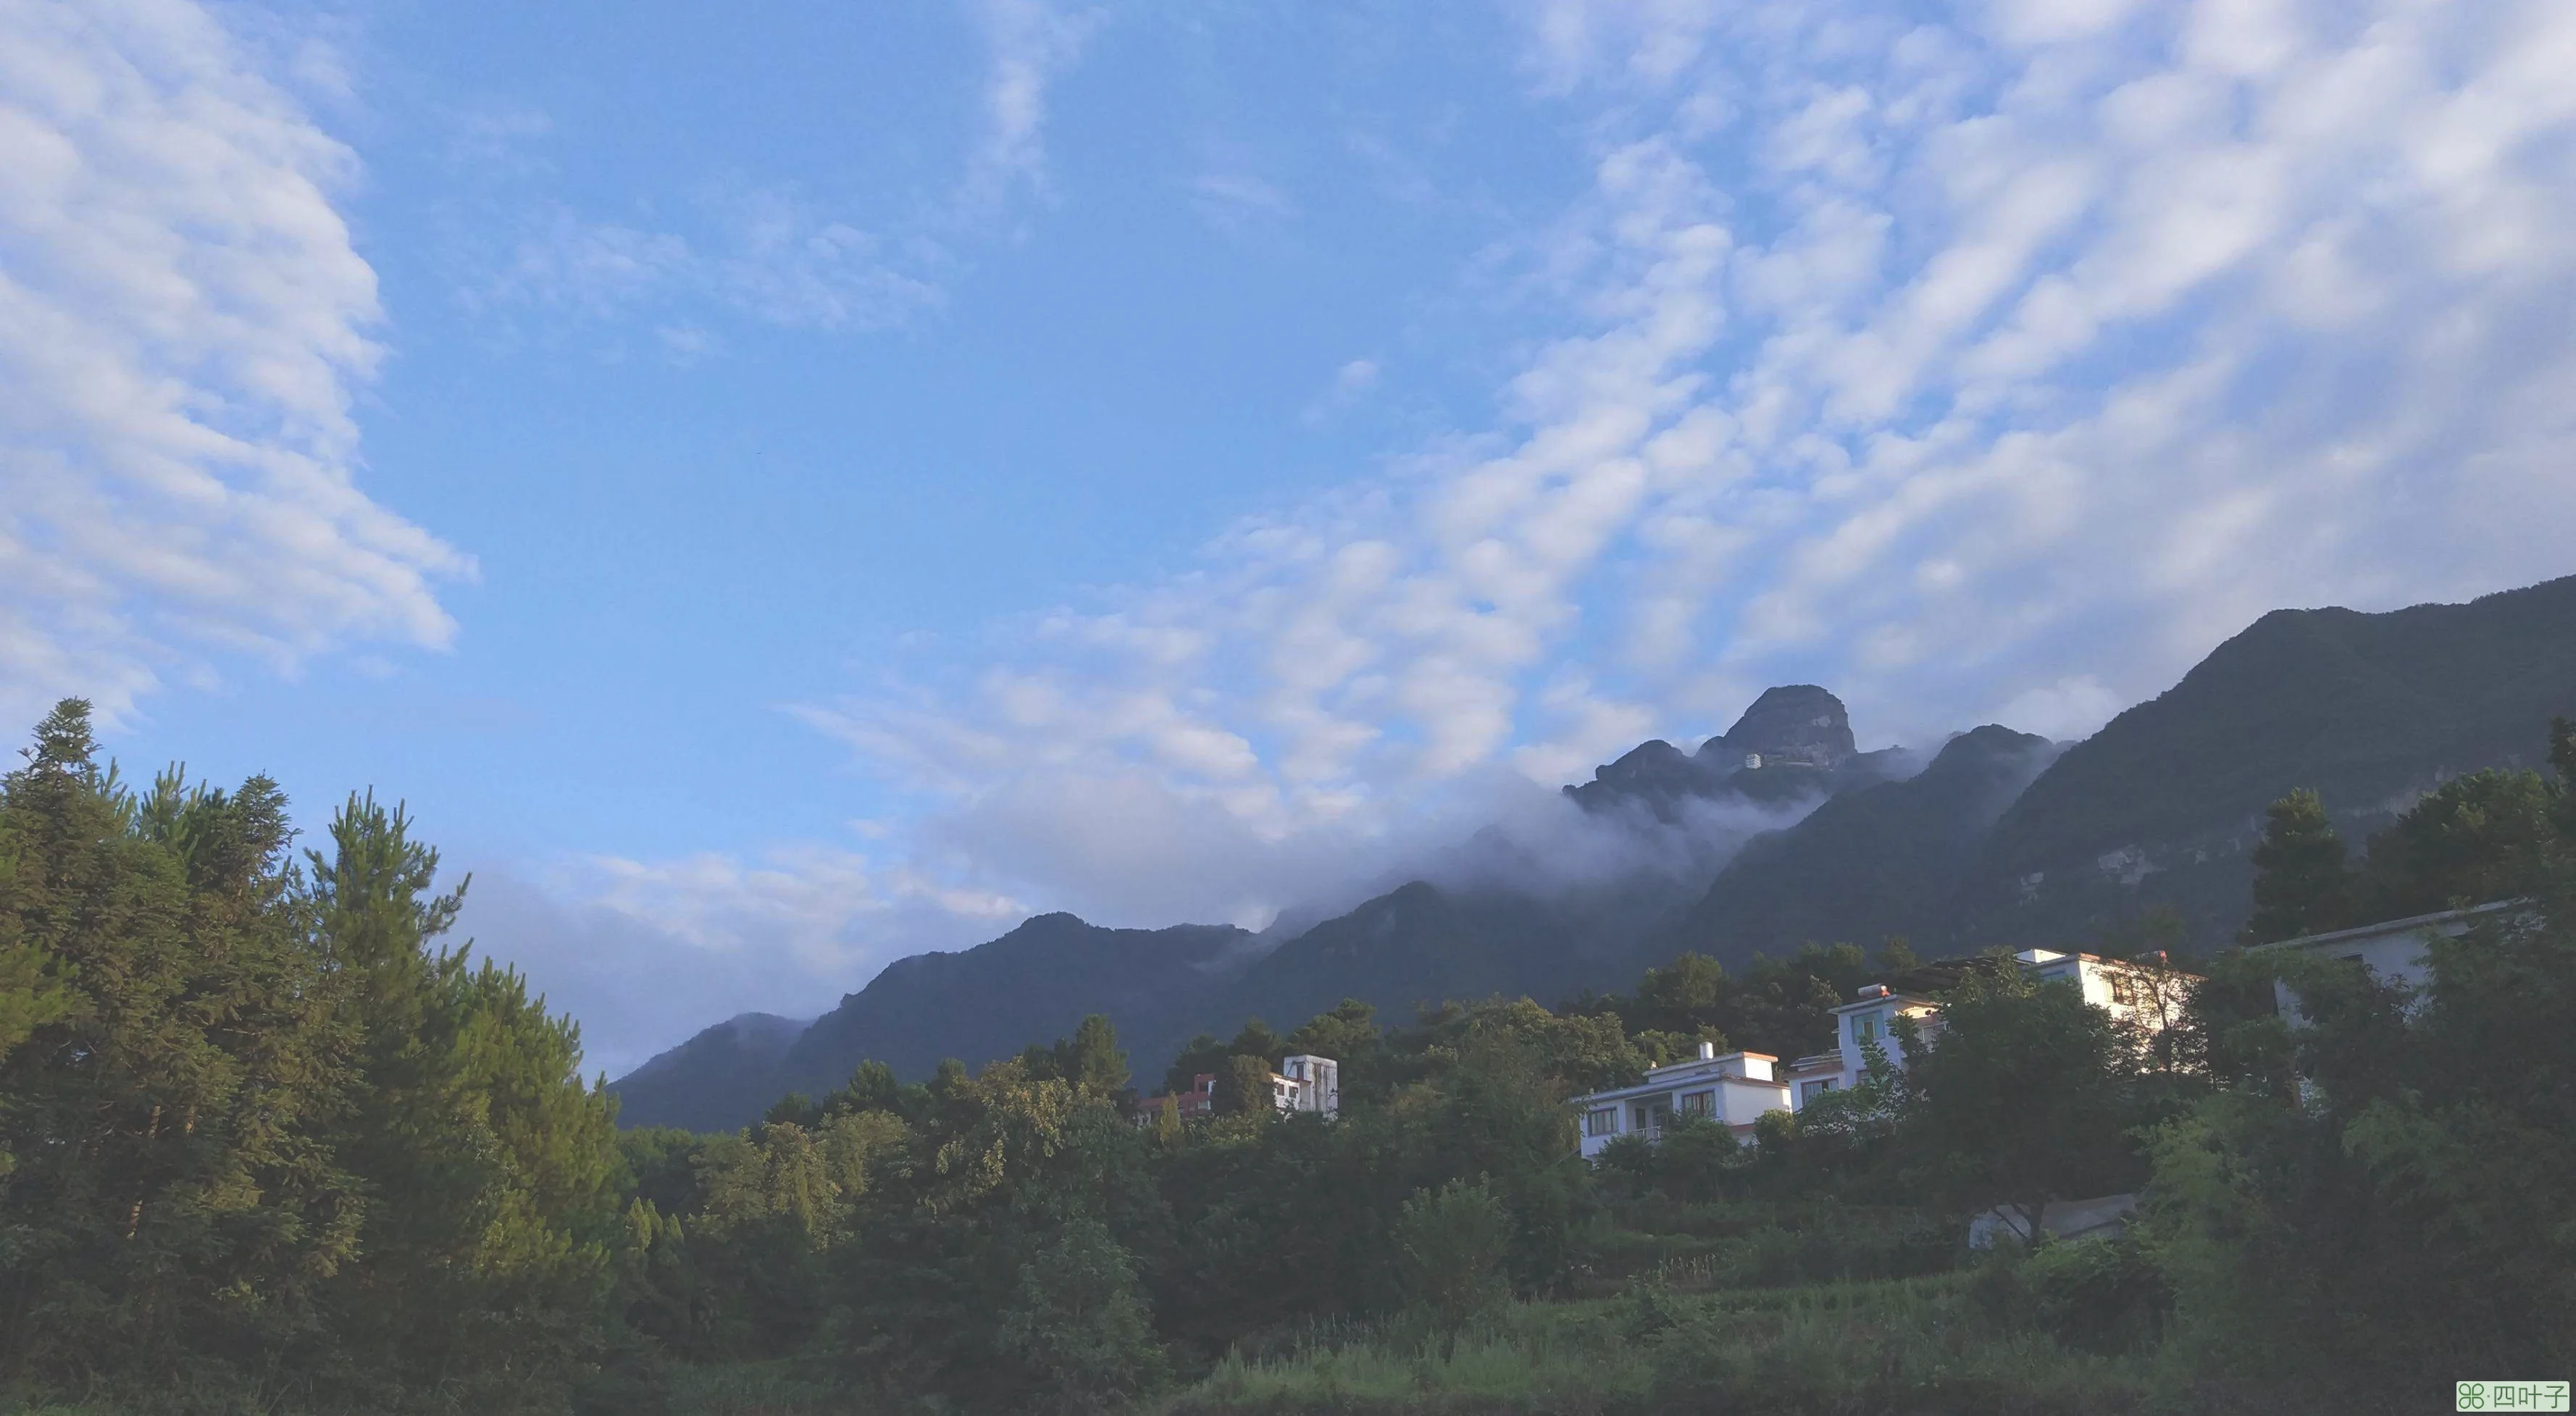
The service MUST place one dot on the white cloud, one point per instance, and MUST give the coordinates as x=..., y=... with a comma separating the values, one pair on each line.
x=1242, y=206
x=761, y=252
x=1031, y=43
x=770, y=252
x=1350, y=383
x=645, y=954
x=183, y=328
x=1987, y=369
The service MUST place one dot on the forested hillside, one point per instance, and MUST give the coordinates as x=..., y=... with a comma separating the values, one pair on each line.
x=1887, y=861
x=2162, y=806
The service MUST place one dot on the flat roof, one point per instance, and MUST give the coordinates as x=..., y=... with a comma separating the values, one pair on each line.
x=2393, y=926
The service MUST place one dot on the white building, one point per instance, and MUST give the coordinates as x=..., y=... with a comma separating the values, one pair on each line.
x=1731, y=1090
x=2395, y=950
x=1740, y=1086
x=1869, y=1018
x=1306, y=1082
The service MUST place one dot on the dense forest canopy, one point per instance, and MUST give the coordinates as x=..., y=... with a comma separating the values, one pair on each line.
x=270, y=1142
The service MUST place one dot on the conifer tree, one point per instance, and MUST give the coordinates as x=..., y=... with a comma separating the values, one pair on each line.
x=2301, y=882
x=174, y=1206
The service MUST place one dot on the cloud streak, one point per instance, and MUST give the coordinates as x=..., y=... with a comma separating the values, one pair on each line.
x=184, y=326
x=1996, y=366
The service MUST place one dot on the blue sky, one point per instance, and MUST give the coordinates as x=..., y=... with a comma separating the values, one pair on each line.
x=781, y=490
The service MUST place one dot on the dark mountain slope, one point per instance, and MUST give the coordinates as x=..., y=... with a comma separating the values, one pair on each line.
x=2160, y=807
x=1031, y=985
x=1871, y=863
x=2163, y=804
x=715, y=1080
x=1425, y=944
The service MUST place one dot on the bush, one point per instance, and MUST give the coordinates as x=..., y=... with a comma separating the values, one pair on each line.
x=2093, y=1295
x=1449, y=1246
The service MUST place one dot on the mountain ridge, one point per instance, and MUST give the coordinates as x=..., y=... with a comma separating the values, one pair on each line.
x=2001, y=837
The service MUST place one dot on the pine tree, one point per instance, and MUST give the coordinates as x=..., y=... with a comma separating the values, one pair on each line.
x=2301, y=882
x=175, y=1206
x=493, y=1166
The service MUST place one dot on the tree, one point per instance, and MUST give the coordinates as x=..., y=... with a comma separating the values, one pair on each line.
x=1350, y=1035
x=1243, y=1087
x=2409, y=1212
x=1450, y=1244
x=1091, y=1058
x=2302, y=884
x=2026, y=1097
x=1682, y=997
x=1201, y=1056
x=2490, y=835
x=1078, y=1324
x=180, y=1058
x=2381, y=1196
x=1257, y=1040
x=495, y=1165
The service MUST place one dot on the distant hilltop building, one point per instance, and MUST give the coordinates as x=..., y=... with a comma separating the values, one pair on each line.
x=1304, y=1082
x=1196, y=1104
x=1736, y=1088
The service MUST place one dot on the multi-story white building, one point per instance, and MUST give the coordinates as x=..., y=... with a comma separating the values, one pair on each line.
x=1731, y=1090
x=1306, y=1082
x=1738, y=1087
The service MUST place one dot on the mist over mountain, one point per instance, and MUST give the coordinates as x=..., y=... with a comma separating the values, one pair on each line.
x=1885, y=860
x=1772, y=834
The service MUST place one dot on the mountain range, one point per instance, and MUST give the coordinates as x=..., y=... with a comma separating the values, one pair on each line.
x=1774, y=833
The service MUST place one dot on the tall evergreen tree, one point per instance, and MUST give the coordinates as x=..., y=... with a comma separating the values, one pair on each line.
x=175, y=1205
x=493, y=1166
x=2302, y=884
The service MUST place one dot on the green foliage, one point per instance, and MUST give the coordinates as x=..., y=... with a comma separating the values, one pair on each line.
x=1078, y=1324
x=1781, y=1006
x=2302, y=883
x=278, y=1147
x=1450, y=1244
x=1243, y=1088
x=183, y=1060
x=2412, y=1212
x=2490, y=835
x=1349, y=1034
x=289, y=1149
x=2105, y=1295
x=1696, y=1160
x=2028, y=1096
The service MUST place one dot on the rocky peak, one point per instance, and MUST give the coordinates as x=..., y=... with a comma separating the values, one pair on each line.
x=1796, y=723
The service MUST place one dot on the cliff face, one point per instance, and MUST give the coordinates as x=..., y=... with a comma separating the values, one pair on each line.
x=1884, y=860
x=1794, y=741
x=1798, y=724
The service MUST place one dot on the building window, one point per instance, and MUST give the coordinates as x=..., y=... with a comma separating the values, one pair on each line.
x=1650, y=1116
x=1809, y=1091
x=1865, y=1027
x=2124, y=990
x=1702, y=1104
x=1602, y=1122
